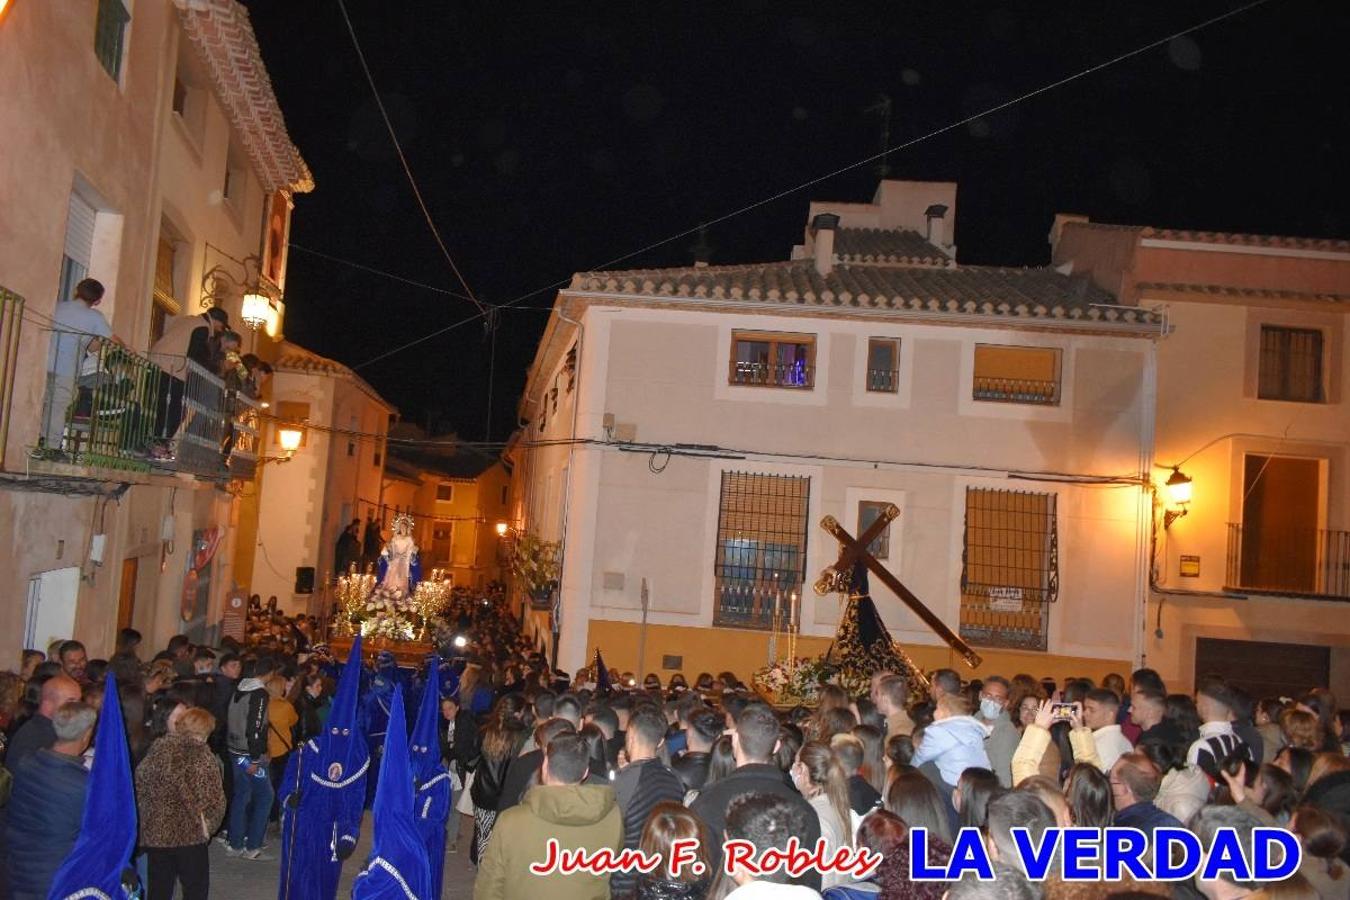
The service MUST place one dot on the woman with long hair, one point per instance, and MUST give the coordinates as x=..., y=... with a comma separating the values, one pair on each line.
x=821, y=780
x=1088, y=793
x=1273, y=791
x=721, y=760
x=881, y=833
x=973, y=792
x=1298, y=763
x=835, y=720
x=667, y=823
x=913, y=799
x=873, y=768
x=1180, y=710
x=790, y=740
x=312, y=698
x=501, y=744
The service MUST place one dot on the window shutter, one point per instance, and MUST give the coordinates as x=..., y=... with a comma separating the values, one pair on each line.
x=80, y=230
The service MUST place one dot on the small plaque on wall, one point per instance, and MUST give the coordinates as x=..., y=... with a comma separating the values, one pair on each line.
x=672, y=662
x=1190, y=567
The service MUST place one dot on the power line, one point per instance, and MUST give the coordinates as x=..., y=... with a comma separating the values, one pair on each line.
x=407, y=170
x=885, y=152
x=381, y=272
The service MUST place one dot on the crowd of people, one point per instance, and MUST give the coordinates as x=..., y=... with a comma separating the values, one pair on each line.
x=600, y=759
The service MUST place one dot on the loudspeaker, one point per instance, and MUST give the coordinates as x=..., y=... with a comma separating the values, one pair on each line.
x=304, y=579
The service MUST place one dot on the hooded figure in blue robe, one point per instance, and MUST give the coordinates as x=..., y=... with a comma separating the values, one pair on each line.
x=323, y=796
x=376, y=707
x=432, y=797
x=99, y=865
x=397, y=868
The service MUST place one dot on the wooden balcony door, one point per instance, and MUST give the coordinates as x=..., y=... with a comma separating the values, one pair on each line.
x=1279, y=523
x=126, y=595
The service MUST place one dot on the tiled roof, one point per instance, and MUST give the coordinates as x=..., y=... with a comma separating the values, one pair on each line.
x=1223, y=290
x=221, y=32
x=1225, y=237
x=462, y=463
x=1015, y=294
x=294, y=358
x=884, y=245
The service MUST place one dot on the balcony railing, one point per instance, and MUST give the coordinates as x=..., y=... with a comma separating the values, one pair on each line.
x=1314, y=563
x=109, y=407
x=1016, y=390
x=11, y=319
x=883, y=381
x=783, y=375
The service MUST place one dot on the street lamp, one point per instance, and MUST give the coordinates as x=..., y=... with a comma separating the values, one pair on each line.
x=289, y=437
x=1179, y=490
x=255, y=311
x=502, y=528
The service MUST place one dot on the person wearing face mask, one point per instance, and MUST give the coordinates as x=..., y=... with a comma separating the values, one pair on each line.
x=1003, y=737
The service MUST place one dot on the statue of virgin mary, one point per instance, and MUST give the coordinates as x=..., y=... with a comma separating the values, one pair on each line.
x=399, y=568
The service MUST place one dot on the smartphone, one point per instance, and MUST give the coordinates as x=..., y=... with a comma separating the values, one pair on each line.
x=1061, y=712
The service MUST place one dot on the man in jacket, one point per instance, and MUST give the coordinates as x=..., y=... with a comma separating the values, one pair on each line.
x=705, y=727
x=37, y=733
x=246, y=743
x=643, y=783
x=754, y=743
x=1134, y=784
x=46, y=807
x=561, y=808
x=1003, y=737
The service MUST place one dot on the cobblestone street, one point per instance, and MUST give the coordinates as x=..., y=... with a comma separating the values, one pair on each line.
x=241, y=879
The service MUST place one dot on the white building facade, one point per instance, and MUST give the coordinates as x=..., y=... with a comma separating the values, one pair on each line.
x=689, y=428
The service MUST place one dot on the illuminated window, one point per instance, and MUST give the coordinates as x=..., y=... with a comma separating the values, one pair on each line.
x=765, y=359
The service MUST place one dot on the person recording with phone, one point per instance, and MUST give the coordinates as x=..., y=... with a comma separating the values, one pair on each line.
x=1036, y=738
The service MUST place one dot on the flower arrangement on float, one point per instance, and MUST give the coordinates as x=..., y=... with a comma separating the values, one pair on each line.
x=389, y=614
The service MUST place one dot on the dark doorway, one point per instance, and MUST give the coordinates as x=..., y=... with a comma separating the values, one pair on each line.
x=1264, y=668
x=1279, y=523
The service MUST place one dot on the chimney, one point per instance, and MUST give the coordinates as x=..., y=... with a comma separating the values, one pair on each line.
x=823, y=226
x=936, y=216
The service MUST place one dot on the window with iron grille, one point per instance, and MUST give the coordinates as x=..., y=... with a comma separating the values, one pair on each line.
x=760, y=562
x=883, y=365
x=445, y=492
x=765, y=359
x=110, y=31
x=1291, y=364
x=1010, y=568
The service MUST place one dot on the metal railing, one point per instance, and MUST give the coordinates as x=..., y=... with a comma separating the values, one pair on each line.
x=1016, y=390
x=1314, y=562
x=883, y=381
x=100, y=404
x=109, y=407
x=11, y=322
x=746, y=603
x=798, y=376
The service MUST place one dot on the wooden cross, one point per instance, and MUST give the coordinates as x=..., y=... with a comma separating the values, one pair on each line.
x=851, y=551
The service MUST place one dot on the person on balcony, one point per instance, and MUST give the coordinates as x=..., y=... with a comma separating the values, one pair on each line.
x=78, y=329
x=185, y=338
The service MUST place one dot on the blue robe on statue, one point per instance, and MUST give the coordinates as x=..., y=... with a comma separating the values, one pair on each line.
x=397, y=868
x=323, y=797
x=433, y=796
x=99, y=865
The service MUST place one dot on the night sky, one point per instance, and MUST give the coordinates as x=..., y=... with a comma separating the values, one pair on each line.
x=551, y=139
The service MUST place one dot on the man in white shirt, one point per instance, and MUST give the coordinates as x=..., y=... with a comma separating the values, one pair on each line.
x=1100, y=709
x=77, y=330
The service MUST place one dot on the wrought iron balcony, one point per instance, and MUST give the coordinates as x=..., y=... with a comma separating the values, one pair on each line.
x=109, y=407
x=883, y=381
x=1312, y=562
x=1016, y=390
x=799, y=375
